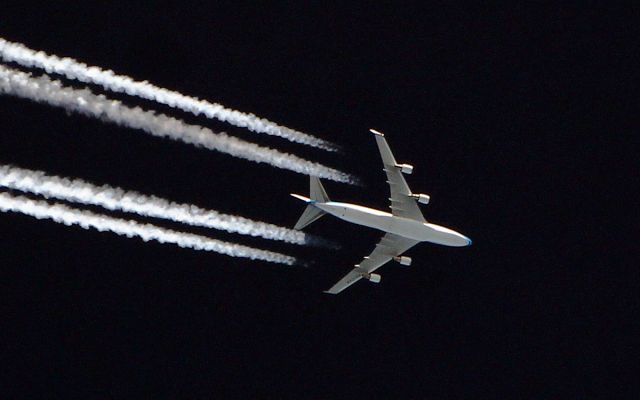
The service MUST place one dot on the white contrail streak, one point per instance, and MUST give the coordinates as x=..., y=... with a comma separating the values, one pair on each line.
x=85, y=219
x=83, y=101
x=73, y=69
x=116, y=199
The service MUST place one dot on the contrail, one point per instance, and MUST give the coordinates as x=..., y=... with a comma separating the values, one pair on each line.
x=73, y=69
x=86, y=219
x=117, y=199
x=83, y=101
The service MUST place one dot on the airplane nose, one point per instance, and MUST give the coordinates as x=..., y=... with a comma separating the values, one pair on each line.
x=459, y=240
x=465, y=241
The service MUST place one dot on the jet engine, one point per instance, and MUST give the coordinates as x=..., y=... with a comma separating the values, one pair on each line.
x=375, y=278
x=422, y=198
x=405, y=168
x=403, y=260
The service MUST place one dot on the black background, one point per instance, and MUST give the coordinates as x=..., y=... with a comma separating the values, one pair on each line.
x=515, y=118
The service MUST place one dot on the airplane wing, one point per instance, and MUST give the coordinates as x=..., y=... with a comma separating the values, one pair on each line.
x=390, y=246
x=402, y=204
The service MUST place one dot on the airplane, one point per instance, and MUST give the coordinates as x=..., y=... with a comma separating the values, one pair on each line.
x=404, y=227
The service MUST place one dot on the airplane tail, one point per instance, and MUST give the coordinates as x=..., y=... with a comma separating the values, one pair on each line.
x=317, y=195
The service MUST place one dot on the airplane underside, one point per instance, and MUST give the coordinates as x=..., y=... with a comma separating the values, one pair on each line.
x=404, y=227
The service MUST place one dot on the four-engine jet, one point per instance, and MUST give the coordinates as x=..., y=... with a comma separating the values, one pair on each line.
x=404, y=226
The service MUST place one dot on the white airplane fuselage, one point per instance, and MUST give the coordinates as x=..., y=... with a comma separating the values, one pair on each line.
x=386, y=222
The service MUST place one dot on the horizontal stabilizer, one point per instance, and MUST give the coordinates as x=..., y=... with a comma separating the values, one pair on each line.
x=317, y=194
x=316, y=191
x=310, y=214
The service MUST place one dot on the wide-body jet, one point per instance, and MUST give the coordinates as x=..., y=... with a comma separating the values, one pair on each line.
x=405, y=226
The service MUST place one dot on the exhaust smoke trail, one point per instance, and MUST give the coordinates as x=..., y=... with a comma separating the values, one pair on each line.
x=117, y=199
x=73, y=69
x=86, y=219
x=83, y=101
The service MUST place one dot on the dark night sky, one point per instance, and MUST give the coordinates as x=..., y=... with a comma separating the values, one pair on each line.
x=515, y=118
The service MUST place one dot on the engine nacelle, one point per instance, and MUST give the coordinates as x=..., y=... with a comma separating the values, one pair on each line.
x=405, y=168
x=403, y=260
x=422, y=198
x=375, y=278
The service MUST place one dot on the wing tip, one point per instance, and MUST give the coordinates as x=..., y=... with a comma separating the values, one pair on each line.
x=375, y=132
